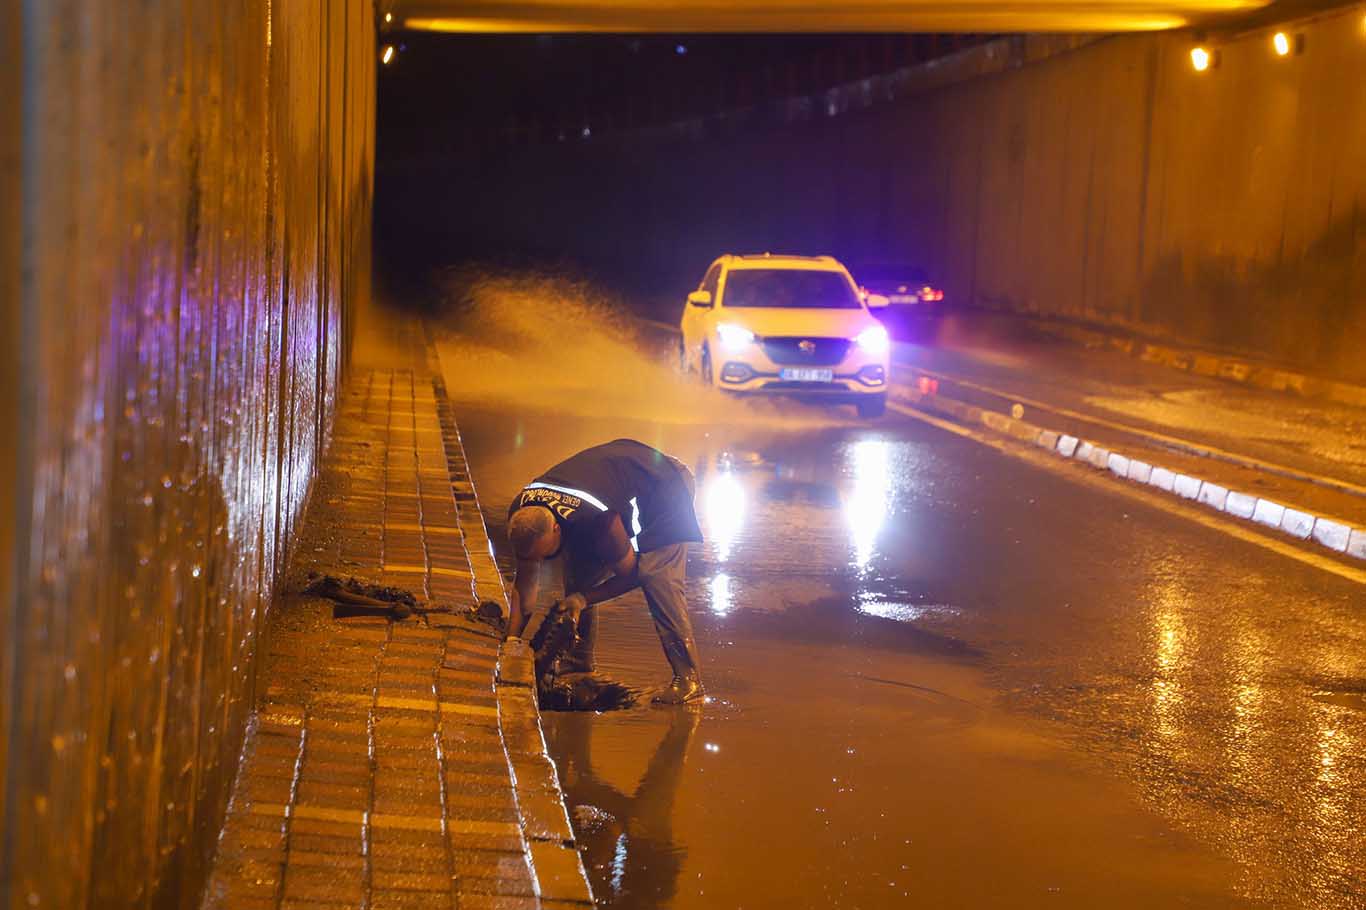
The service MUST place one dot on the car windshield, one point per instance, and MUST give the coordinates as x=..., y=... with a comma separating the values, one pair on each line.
x=789, y=289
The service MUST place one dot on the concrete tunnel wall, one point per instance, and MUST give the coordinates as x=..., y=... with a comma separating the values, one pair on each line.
x=1111, y=183
x=187, y=234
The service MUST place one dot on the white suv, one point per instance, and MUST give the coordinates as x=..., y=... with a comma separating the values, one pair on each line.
x=788, y=325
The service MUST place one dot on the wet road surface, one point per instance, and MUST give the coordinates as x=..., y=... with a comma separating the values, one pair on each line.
x=939, y=675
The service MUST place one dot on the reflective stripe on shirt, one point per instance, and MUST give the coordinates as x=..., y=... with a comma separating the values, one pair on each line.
x=569, y=491
x=635, y=524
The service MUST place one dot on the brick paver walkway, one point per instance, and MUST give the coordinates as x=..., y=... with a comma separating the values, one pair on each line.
x=385, y=768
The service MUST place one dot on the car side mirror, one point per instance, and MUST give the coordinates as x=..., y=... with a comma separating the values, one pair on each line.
x=700, y=299
x=877, y=301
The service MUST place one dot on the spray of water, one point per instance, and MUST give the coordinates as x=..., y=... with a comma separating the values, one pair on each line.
x=557, y=343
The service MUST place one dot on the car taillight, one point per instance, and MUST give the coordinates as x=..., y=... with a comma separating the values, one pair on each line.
x=930, y=295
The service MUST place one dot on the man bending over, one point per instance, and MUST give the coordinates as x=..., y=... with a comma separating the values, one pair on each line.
x=619, y=516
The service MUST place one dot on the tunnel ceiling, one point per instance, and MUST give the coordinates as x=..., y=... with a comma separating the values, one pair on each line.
x=994, y=16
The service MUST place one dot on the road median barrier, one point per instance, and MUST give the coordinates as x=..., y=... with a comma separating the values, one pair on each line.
x=1340, y=536
x=1229, y=367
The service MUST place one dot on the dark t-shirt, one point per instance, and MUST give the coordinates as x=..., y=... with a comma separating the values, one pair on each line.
x=625, y=478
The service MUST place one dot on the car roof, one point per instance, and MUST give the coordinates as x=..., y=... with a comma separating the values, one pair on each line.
x=772, y=261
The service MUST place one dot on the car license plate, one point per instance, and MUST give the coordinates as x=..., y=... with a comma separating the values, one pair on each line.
x=807, y=374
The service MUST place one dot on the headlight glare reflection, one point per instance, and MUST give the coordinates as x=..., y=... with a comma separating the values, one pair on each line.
x=867, y=503
x=724, y=512
x=734, y=337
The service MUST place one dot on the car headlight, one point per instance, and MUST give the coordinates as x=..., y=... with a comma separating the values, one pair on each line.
x=734, y=337
x=874, y=340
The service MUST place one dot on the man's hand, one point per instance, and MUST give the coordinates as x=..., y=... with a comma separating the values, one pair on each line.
x=574, y=605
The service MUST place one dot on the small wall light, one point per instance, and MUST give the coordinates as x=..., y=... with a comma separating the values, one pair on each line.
x=1201, y=58
x=387, y=55
x=1285, y=44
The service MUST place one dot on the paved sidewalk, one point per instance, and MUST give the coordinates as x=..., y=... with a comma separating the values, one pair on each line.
x=395, y=764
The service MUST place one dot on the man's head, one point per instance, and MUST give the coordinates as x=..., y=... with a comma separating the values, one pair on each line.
x=534, y=533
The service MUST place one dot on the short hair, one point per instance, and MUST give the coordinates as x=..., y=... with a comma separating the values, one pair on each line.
x=528, y=525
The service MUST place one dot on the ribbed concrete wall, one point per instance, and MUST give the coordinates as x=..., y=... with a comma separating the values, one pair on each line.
x=1111, y=183
x=1117, y=184
x=195, y=179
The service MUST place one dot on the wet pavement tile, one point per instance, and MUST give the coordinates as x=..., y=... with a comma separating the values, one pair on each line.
x=469, y=901
x=559, y=872
x=385, y=880
x=348, y=861
x=506, y=839
x=332, y=796
x=326, y=844
x=305, y=883
x=401, y=858
x=410, y=900
x=514, y=885
x=301, y=824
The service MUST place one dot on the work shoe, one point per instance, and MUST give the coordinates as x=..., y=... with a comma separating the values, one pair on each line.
x=683, y=690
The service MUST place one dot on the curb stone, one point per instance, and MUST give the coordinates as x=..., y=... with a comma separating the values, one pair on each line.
x=1339, y=536
x=1356, y=544
x=548, y=838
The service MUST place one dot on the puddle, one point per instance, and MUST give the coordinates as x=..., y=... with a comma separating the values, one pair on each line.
x=1354, y=700
x=871, y=604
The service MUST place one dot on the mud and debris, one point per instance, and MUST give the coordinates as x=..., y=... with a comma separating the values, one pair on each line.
x=358, y=598
x=353, y=598
x=492, y=612
x=554, y=640
x=584, y=692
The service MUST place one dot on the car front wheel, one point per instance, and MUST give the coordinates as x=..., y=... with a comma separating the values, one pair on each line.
x=706, y=367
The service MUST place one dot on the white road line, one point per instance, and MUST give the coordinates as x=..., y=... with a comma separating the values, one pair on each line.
x=1141, y=494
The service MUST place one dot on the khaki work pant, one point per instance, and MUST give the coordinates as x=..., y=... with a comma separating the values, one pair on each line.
x=662, y=575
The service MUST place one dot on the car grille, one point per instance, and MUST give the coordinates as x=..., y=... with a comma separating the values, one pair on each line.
x=824, y=352
x=785, y=386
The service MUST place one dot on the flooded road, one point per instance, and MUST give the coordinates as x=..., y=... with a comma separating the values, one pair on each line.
x=938, y=676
